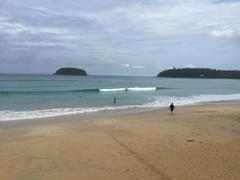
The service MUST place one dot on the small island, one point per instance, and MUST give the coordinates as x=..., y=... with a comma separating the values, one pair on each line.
x=71, y=71
x=200, y=73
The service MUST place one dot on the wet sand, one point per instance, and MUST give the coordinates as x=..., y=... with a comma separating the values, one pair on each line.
x=198, y=142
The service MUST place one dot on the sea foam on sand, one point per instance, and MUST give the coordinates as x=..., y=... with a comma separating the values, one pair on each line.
x=161, y=101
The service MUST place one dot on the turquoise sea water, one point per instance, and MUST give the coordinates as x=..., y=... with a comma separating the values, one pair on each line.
x=34, y=96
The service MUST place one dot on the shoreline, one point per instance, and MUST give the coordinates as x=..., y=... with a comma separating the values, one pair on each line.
x=100, y=114
x=196, y=142
x=154, y=102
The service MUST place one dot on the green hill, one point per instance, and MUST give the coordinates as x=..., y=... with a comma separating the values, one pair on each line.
x=71, y=71
x=200, y=73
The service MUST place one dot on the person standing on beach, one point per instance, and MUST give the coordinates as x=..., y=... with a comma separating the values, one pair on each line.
x=171, y=107
x=114, y=100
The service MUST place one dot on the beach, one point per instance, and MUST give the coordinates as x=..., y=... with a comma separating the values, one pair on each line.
x=196, y=142
x=119, y=90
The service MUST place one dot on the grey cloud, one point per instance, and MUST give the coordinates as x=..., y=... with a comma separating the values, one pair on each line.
x=226, y=33
x=92, y=34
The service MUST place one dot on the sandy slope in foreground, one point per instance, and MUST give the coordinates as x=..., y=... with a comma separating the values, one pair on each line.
x=201, y=142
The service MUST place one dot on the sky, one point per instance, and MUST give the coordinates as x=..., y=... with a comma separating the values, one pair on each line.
x=118, y=37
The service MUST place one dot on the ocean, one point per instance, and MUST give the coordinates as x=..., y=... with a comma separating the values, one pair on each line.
x=37, y=96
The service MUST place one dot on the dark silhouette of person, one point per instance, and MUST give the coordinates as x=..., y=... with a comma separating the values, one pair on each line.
x=171, y=107
x=114, y=100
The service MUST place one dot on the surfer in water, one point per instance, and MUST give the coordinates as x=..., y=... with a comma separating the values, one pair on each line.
x=171, y=107
x=114, y=100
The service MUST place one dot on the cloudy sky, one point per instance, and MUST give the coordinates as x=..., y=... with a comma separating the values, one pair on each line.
x=118, y=37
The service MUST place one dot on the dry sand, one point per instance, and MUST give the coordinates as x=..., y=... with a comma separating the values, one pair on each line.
x=199, y=142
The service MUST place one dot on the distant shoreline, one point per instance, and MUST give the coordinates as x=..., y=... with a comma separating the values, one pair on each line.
x=97, y=75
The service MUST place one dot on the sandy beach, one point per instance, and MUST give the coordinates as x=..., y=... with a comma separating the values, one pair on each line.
x=197, y=142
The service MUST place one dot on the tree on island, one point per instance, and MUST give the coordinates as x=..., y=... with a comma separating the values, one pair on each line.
x=200, y=73
x=71, y=71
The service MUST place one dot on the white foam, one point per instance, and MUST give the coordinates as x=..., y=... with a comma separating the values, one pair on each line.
x=112, y=89
x=142, y=89
x=129, y=89
x=190, y=100
x=20, y=115
x=161, y=101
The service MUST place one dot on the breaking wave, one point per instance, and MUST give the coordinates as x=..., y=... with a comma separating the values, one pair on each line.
x=161, y=101
x=83, y=90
